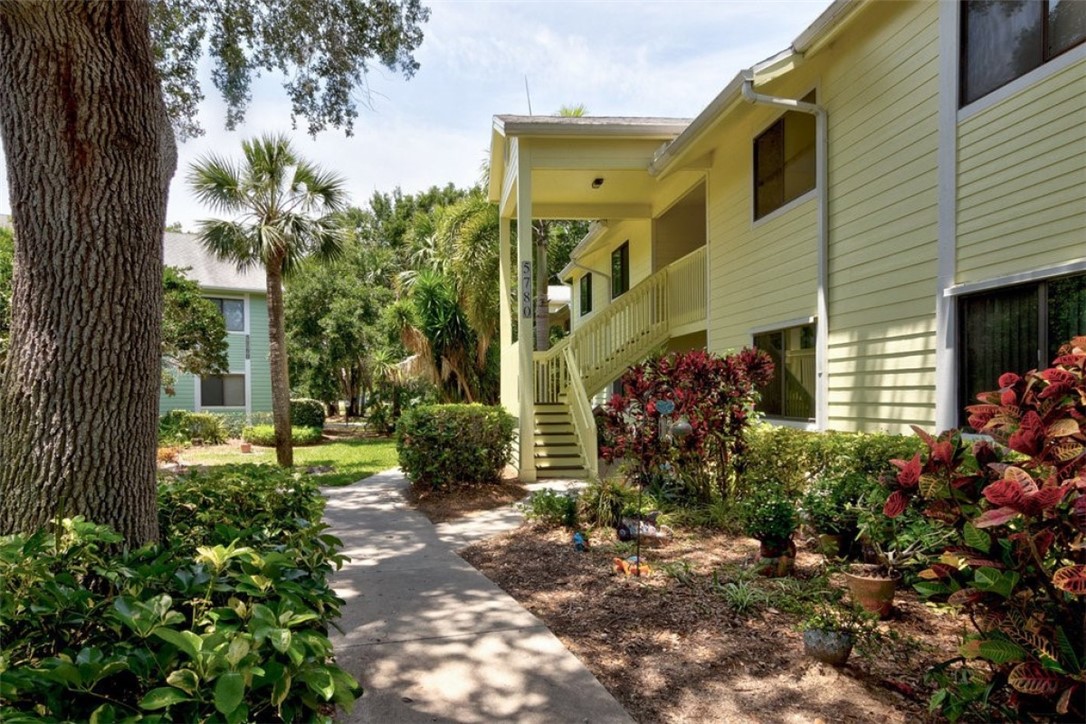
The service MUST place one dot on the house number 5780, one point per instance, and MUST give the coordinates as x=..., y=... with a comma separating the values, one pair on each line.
x=526, y=289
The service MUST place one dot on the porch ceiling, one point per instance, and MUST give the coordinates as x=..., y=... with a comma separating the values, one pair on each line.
x=568, y=194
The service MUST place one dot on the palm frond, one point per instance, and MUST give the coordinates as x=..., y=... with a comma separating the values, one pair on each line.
x=217, y=182
x=228, y=241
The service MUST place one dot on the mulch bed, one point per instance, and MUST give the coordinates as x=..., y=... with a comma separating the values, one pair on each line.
x=444, y=505
x=671, y=649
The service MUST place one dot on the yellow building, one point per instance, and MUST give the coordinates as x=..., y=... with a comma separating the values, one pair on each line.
x=894, y=207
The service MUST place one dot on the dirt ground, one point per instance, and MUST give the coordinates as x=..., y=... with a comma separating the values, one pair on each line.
x=442, y=505
x=671, y=649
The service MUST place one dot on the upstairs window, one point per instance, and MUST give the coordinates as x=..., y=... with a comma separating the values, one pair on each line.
x=233, y=312
x=620, y=270
x=586, y=294
x=784, y=161
x=1016, y=329
x=1005, y=39
x=791, y=392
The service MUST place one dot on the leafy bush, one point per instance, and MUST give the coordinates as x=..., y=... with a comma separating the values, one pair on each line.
x=265, y=435
x=182, y=427
x=604, y=502
x=445, y=445
x=235, y=422
x=305, y=412
x=714, y=394
x=1015, y=564
x=768, y=515
x=830, y=502
x=551, y=508
x=226, y=620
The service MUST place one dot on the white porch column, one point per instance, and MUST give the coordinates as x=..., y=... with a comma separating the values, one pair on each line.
x=525, y=318
x=509, y=391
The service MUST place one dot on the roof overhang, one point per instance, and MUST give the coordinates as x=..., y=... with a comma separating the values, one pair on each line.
x=730, y=98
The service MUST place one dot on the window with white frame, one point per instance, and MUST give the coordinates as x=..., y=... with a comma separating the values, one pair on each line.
x=585, y=288
x=233, y=313
x=791, y=392
x=222, y=391
x=784, y=161
x=1004, y=39
x=1015, y=329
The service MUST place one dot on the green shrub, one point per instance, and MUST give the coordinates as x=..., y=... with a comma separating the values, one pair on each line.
x=551, y=508
x=265, y=435
x=768, y=515
x=830, y=503
x=182, y=427
x=305, y=412
x=604, y=502
x=446, y=445
x=225, y=620
x=235, y=422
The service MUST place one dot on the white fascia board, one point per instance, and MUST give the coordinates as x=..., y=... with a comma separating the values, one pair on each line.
x=537, y=129
x=595, y=230
x=724, y=100
x=825, y=25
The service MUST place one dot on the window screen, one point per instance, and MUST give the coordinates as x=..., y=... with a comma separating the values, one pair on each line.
x=222, y=391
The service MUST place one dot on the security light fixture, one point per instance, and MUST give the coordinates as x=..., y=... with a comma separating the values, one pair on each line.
x=597, y=182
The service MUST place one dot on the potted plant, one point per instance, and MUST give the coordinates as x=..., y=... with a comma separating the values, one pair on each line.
x=888, y=547
x=829, y=507
x=770, y=517
x=830, y=632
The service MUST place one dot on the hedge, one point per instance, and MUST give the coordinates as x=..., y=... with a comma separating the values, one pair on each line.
x=265, y=435
x=305, y=412
x=447, y=445
x=182, y=427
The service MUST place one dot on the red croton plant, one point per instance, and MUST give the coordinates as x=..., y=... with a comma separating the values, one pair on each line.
x=715, y=394
x=1017, y=564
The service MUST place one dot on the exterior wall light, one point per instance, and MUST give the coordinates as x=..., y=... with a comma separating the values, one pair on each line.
x=597, y=182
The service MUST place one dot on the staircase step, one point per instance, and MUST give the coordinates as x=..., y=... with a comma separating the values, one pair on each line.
x=558, y=463
x=552, y=439
x=552, y=473
x=561, y=454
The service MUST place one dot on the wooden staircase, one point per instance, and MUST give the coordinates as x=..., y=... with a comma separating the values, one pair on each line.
x=598, y=351
x=557, y=453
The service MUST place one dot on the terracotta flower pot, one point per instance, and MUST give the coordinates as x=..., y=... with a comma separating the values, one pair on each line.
x=828, y=646
x=246, y=447
x=776, y=558
x=873, y=590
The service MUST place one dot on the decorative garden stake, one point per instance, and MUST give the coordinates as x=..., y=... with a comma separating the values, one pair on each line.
x=668, y=432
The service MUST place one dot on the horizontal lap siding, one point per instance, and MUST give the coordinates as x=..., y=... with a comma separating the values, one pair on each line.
x=184, y=397
x=260, y=382
x=880, y=87
x=1022, y=180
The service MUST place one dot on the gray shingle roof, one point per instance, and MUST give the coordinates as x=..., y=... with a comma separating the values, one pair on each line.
x=183, y=250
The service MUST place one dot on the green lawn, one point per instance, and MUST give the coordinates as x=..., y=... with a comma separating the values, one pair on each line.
x=352, y=460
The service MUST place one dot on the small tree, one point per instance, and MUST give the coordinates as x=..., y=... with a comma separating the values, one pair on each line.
x=286, y=207
x=715, y=394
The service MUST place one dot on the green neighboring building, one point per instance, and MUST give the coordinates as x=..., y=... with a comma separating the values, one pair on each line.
x=242, y=298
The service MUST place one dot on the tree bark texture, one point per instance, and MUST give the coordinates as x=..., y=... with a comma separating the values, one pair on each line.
x=90, y=154
x=277, y=361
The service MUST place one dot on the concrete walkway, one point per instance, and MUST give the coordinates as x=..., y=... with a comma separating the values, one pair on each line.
x=432, y=639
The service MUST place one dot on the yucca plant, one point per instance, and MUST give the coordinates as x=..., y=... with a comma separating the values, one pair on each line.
x=1016, y=564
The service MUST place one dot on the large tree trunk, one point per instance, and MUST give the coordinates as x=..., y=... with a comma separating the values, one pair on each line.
x=89, y=157
x=277, y=360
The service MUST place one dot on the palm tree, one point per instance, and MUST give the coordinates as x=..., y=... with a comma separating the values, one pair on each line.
x=283, y=210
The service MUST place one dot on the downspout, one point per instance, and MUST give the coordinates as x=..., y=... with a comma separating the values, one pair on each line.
x=822, y=331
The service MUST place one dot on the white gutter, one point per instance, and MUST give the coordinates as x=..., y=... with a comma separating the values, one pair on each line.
x=822, y=330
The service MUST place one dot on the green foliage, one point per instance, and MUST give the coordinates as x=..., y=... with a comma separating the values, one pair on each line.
x=226, y=620
x=315, y=45
x=551, y=508
x=742, y=596
x=182, y=427
x=830, y=502
x=193, y=330
x=604, y=502
x=265, y=435
x=446, y=445
x=1014, y=560
x=768, y=514
x=307, y=413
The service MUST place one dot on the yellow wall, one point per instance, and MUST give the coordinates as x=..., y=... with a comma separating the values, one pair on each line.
x=1022, y=180
x=639, y=233
x=878, y=82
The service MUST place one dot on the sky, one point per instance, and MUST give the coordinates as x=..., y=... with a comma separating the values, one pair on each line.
x=615, y=57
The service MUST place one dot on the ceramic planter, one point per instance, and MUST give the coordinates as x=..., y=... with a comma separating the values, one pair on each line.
x=828, y=646
x=246, y=447
x=872, y=590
